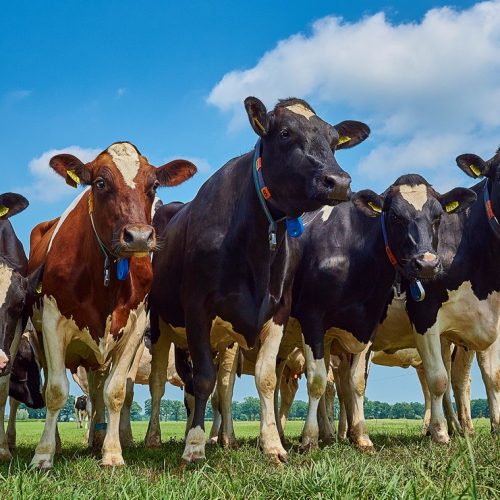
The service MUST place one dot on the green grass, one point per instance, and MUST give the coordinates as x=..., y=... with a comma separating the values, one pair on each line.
x=404, y=465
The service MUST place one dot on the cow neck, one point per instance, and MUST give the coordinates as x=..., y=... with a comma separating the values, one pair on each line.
x=294, y=226
x=492, y=220
x=417, y=290
x=122, y=265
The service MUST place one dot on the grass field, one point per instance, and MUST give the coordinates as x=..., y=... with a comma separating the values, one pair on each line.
x=404, y=465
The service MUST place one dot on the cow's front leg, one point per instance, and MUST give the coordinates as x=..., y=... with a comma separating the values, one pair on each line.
x=427, y=399
x=429, y=348
x=265, y=380
x=204, y=375
x=5, y=454
x=352, y=374
x=157, y=381
x=216, y=418
x=489, y=364
x=460, y=381
x=11, y=427
x=314, y=353
x=116, y=385
x=225, y=385
x=98, y=425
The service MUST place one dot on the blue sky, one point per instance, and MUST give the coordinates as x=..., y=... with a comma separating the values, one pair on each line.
x=171, y=77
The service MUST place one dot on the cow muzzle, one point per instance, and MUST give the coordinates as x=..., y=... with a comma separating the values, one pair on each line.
x=4, y=364
x=426, y=266
x=337, y=186
x=137, y=239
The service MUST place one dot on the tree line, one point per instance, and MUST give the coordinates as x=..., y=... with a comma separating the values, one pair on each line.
x=249, y=409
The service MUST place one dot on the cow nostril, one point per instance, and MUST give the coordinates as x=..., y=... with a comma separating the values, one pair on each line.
x=329, y=181
x=128, y=237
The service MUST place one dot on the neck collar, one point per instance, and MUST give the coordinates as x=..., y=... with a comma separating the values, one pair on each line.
x=493, y=221
x=416, y=288
x=294, y=226
x=122, y=265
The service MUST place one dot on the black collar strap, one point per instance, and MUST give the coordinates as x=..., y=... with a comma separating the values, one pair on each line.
x=294, y=226
x=416, y=288
x=122, y=265
x=494, y=224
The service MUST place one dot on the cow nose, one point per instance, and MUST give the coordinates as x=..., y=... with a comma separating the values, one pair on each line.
x=338, y=185
x=4, y=361
x=138, y=238
x=427, y=264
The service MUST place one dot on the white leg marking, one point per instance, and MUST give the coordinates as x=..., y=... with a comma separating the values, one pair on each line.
x=195, y=445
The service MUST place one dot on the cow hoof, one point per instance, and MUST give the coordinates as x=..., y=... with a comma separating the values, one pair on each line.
x=277, y=455
x=308, y=444
x=364, y=444
x=213, y=441
x=152, y=442
x=112, y=460
x=329, y=439
x=5, y=455
x=229, y=442
x=441, y=438
x=43, y=461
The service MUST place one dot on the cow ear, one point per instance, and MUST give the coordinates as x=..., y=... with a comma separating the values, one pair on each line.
x=257, y=114
x=457, y=199
x=71, y=169
x=351, y=133
x=11, y=204
x=473, y=165
x=175, y=172
x=368, y=202
x=34, y=281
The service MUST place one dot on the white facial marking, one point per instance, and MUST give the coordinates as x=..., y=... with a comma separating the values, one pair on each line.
x=126, y=160
x=414, y=195
x=65, y=214
x=429, y=257
x=300, y=109
x=5, y=280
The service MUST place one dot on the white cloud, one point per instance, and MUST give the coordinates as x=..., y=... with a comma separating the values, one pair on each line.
x=48, y=186
x=429, y=90
x=121, y=92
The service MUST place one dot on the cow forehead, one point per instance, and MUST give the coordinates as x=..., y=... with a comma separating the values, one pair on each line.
x=127, y=161
x=300, y=109
x=416, y=195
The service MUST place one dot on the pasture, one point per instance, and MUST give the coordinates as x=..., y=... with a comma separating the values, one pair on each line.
x=405, y=465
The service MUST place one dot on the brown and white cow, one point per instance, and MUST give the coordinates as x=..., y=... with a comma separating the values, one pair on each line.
x=86, y=314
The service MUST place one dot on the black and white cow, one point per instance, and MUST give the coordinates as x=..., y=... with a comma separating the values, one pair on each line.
x=81, y=413
x=226, y=258
x=15, y=287
x=347, y=270
x=463, y=305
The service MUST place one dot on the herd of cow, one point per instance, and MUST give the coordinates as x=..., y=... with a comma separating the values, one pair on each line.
x=274, y=268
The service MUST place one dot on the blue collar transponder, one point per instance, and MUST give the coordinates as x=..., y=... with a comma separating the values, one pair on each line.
x=494, y=224
x=416, y=288
x=294, y=226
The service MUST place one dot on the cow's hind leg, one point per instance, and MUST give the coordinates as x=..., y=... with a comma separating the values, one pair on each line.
x=97, y=429
x=460, y=381
x=427, y=399
x=5, y=454
x=325, y=411
x=11, y=427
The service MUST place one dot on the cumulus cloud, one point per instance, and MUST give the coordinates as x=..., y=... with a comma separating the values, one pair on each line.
x=428, y=89
x=47, y=186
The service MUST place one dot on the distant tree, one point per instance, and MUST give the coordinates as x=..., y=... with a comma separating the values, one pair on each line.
x=68, y=411
x=250, y=407
x=34, y=414
x=22, y=414
x=147, y=408
x=135, y=412
x=298, y=410
x=479, y=408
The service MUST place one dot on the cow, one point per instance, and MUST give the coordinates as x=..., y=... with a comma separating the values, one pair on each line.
x=350, y=258
x=228, y=254
x=97, y=274
x=81, y=413
x=463, y=305
x=16, y=290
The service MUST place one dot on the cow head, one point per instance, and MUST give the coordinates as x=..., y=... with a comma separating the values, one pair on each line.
x=474, y=166
x=123, y=186
x=298, y=154
x=412, y=213
x=15, y=292
x=11, y=204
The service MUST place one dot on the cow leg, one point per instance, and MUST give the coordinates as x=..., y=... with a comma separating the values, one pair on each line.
x=460, y=380
x=429, y=348
x=126, y=437
x=288, y=389
x=216, y=418
x=57, y=385
x=157, y=381
x=97, y=431
x=5, y=454
x=427, y=399
x=280, y=367
x=204, y=375
x=489, y=364
x=185, y=372
x=265, y=380
x=226, y=375
x=11, y=427
x=352, y=379
x=342, y=426
x=325, y=408
x=449, y=411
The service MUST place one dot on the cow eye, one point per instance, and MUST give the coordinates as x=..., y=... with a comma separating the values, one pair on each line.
x=284, y=134
x=99, y=183
x=156, y=185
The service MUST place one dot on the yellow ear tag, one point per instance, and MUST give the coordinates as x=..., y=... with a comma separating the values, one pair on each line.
x=451, y=206
x=3, y=210
x=39, y=288
x=72, y=175
x=475, y=170
x=343, y=139
x=257, y=122
x=374, y=207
